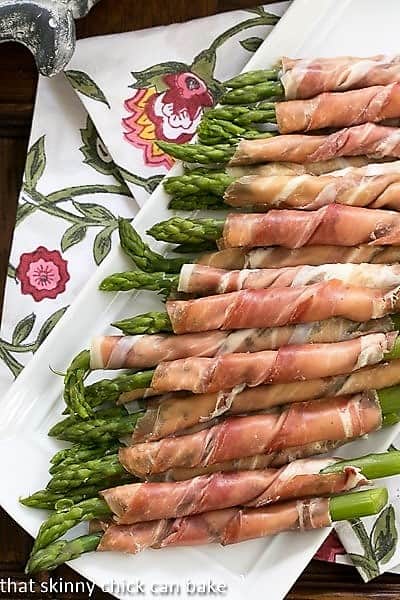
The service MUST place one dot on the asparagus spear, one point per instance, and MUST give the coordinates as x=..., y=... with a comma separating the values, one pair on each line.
x=182, y=231
x=74, y=388
x=264, y=112
x=48, y=499
x=62, y=521
x=140, y=252
x=78, y=454
x=198, y=153
x=110, y=389
x=252, y=78
x=137, y=280
x=198, y=202
x=186, y=185
x=372, y=466
x=90, y=473
x=342, y=507
x=251, y=93
x=215, y=131
x=98, y=429
x=151, y=322
x=62, y=551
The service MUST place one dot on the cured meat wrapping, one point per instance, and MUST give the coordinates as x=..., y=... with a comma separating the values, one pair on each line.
x=227, y=526
x=144, y=351
x=305, y=78
x=137, y=502
x=308, y=192
x=375, y=141
x=276, y=307
x=289, y=363
x=177, y=413
x=334, y=419
x=332, y=225
x=367, y=105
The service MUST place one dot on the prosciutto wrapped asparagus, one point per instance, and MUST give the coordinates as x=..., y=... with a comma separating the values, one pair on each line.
x=145, y=351
x=176, y=413
x=276, y=307
x=138, y=502
x=278, y=257
x=288, y=363
x=333, y=419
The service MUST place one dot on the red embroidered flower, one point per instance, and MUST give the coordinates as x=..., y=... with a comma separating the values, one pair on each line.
x=42, y=273
x=330, y=548
x=171, y=115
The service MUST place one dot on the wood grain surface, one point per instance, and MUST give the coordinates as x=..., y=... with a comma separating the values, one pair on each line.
x=320, y=581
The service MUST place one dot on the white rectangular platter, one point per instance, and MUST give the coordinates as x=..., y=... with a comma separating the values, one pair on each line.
x=261, y=568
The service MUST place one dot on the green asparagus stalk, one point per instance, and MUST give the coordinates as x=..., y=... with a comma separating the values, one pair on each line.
x=262, y=113
x=189, y=248
x=215, y=131
x=74, y=387
x=140, y=252
x=342, y=507
x=98, y=430
x=48, y=499
x=198, y=153
x=249, y=94
x=182, y=231
x=90, y=473
x=372, y=466
x=58, y=553
x=198, y=202
x=62, y=521
x=137, y=280
x=252, y=78
x=109, y=390
x=78, y=454
x=187, y=185
x=151, y=322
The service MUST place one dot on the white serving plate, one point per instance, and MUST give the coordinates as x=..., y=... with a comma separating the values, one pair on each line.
x=260, y=568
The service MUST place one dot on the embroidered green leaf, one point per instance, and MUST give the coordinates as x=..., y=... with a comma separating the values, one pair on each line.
x=23, y=211
x=35, y=163
x=12, y=272
x=251, y=44
x=95, y=152
x=268, y=18
x=73, y=235
x=95, y=212
x=49, y=324
x=102, y=244
x=85, y=85
x=154, y=75
x=368, y=566
x=23, y=329
x=14, y=366
x=384, y=535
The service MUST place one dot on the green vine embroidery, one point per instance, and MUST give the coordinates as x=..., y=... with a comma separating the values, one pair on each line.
x=18, y=344
x=379, y=546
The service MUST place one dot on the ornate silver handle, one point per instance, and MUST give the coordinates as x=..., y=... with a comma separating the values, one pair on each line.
x=46, y=27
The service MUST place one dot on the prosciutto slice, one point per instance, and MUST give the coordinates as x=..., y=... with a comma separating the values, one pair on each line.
x=332, y=225
x=278, y=257
x=276, y=307
x=375, y=141
x=145, y=351
x=289, y=363
x=368, y=105
x=138, y=502
x=307, y=192
x=227, y=526
x=177, y=413
x=333, y=419
x=305, y=78
x=201, y=280
x=290, y=168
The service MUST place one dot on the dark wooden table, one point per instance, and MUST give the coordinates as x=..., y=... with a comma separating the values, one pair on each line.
x=320, y=581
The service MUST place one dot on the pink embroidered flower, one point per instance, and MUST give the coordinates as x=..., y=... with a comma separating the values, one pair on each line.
x=42, y=273
x=171, y=115
x=330, y=548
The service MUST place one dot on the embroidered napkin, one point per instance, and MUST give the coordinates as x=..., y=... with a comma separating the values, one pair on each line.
x=92, y=158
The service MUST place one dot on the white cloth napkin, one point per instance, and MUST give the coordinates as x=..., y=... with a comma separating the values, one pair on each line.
x=135, y=87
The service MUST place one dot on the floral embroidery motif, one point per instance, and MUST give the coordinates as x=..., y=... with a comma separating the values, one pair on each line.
x=42, y=273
